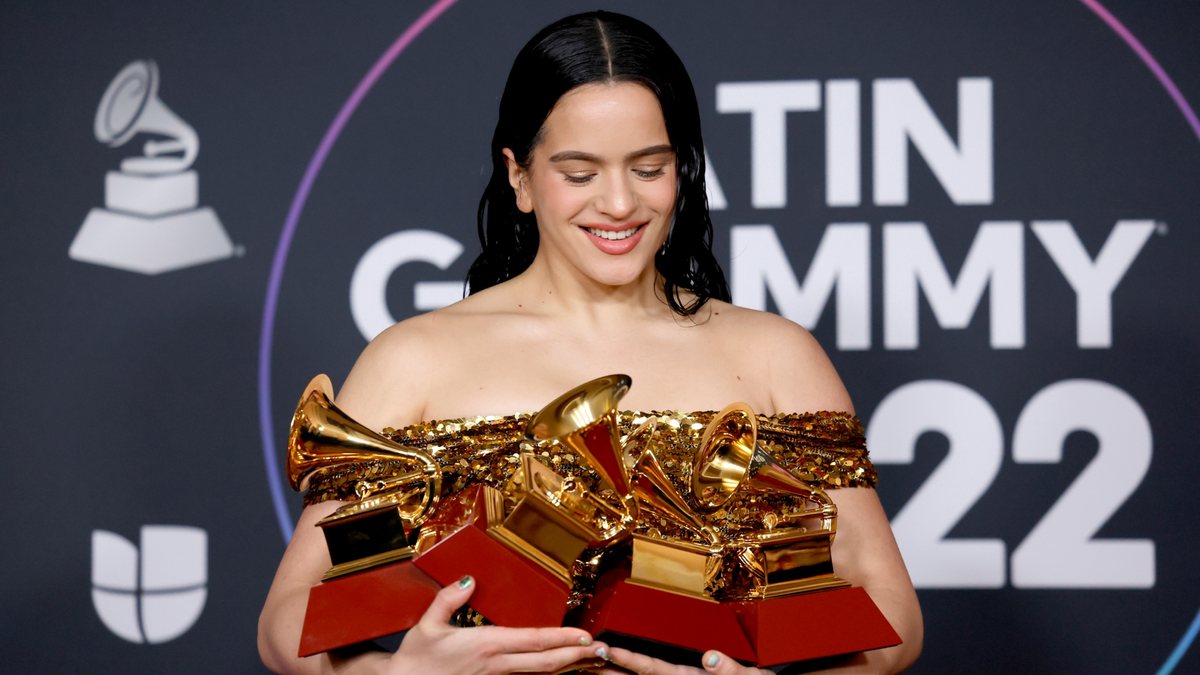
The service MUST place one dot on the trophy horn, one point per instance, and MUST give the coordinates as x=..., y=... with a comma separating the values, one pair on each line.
x=323, y=437
x=585, y=420
x=730, y=457
x=653, y=489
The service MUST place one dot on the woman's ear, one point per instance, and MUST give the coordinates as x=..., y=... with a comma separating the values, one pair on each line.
x=517, y=178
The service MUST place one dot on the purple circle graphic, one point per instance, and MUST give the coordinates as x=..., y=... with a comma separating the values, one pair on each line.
x=1190, y=115
x=1147, y=58
x=315, y=164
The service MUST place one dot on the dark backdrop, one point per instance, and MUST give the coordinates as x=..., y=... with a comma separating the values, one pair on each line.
x=1010, y=298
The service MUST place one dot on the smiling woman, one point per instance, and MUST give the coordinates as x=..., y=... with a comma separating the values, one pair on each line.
x=596, y=259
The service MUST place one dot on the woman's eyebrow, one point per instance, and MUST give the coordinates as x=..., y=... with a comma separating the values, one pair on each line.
x=577, y=155
x=568, y=155
x=652, y=150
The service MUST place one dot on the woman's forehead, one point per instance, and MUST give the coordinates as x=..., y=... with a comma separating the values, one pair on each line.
x=605, y=119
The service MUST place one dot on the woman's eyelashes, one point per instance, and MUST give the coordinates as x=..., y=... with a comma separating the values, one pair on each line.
x=649, y=174
x=583, y=178
x=579, y=178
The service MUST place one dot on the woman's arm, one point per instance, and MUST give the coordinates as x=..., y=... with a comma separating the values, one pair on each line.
x=864, y=549
x=865, y=554
x=282, y=617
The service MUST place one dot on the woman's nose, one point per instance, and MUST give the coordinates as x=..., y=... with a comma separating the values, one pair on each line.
x=618, y=199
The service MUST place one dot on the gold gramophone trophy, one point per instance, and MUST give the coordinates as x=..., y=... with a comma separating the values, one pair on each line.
x=372, y=589
x=742, y=591
x=688, y=581
x=522, y=543
x=403, y=539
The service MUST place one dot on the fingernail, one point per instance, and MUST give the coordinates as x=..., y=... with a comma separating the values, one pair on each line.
x=602, y=653
x=712, y=661
x=585, y=640
x=466, y=581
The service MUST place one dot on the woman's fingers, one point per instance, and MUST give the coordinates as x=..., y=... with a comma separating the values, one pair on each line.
x=548, y=650
x=712, y=661
x=446, y=603
x=718, y=663
x=646, y=665
x=552, y=660
x=519, y=640
x=539, y=650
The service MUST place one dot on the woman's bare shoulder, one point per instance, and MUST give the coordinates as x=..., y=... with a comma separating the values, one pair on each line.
x=799, y=374
x=388, y=384
x=766, y=327
x=398, y=371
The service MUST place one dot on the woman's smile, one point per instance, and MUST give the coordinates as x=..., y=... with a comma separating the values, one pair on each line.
x=615, y=240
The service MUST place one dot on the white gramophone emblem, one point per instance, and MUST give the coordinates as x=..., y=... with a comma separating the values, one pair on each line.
x=150, y=222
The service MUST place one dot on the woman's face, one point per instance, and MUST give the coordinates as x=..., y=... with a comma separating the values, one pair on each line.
x=601, y=183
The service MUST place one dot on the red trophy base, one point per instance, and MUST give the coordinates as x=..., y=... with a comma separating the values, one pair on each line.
x=619, y=606
x=814, y=625
x=510, y=590
x=365, y=606
x=765, y=632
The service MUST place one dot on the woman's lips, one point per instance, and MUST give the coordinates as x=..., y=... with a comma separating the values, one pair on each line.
x=615, y=241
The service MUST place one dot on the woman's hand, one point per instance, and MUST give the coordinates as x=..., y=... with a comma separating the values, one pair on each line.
x=713, y=662
x=434, y=646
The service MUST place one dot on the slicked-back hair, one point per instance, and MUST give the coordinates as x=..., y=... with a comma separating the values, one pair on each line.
x=590, y=48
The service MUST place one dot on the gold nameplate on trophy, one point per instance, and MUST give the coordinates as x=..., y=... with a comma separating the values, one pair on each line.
x=675, y=565
x=555, y=519
x=788, y=561
x=377, y=528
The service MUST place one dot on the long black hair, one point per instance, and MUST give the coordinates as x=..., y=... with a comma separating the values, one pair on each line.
x=599, y=47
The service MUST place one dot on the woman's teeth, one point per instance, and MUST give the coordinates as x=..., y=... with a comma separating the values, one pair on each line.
x=611, y=235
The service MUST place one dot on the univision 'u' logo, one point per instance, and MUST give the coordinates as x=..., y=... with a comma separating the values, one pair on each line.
x=155, y=594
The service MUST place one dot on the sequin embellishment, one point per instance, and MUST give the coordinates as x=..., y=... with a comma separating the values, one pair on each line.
x=825, y=448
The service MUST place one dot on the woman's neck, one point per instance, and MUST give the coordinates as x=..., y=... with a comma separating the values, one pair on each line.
x=564, y=291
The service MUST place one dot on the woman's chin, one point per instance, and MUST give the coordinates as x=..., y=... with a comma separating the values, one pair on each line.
x=619, y=278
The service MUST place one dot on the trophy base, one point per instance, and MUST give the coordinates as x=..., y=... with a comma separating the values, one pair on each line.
x=365, y=606
x=814, y=625
x=510, y=590
x=151, y=244
x=620, y=606
x=766, y=632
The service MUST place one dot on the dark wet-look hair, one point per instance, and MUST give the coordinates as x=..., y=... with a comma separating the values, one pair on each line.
x=599, y=47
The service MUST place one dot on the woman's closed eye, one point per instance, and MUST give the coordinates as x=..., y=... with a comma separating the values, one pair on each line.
x=579, y=177
x=646, y=173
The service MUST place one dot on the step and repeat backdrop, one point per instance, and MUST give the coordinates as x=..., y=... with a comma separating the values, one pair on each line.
x=986, y=212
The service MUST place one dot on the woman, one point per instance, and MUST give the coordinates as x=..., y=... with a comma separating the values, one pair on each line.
x=596, y=259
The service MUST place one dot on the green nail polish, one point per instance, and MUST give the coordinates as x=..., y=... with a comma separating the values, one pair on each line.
x=712, y=661
x=465, y=581
x=585, y=640
x=602, y=653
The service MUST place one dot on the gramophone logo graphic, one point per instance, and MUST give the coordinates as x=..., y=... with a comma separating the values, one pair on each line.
x=151, y=221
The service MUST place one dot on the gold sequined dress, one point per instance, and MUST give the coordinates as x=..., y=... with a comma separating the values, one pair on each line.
x=827, y=449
